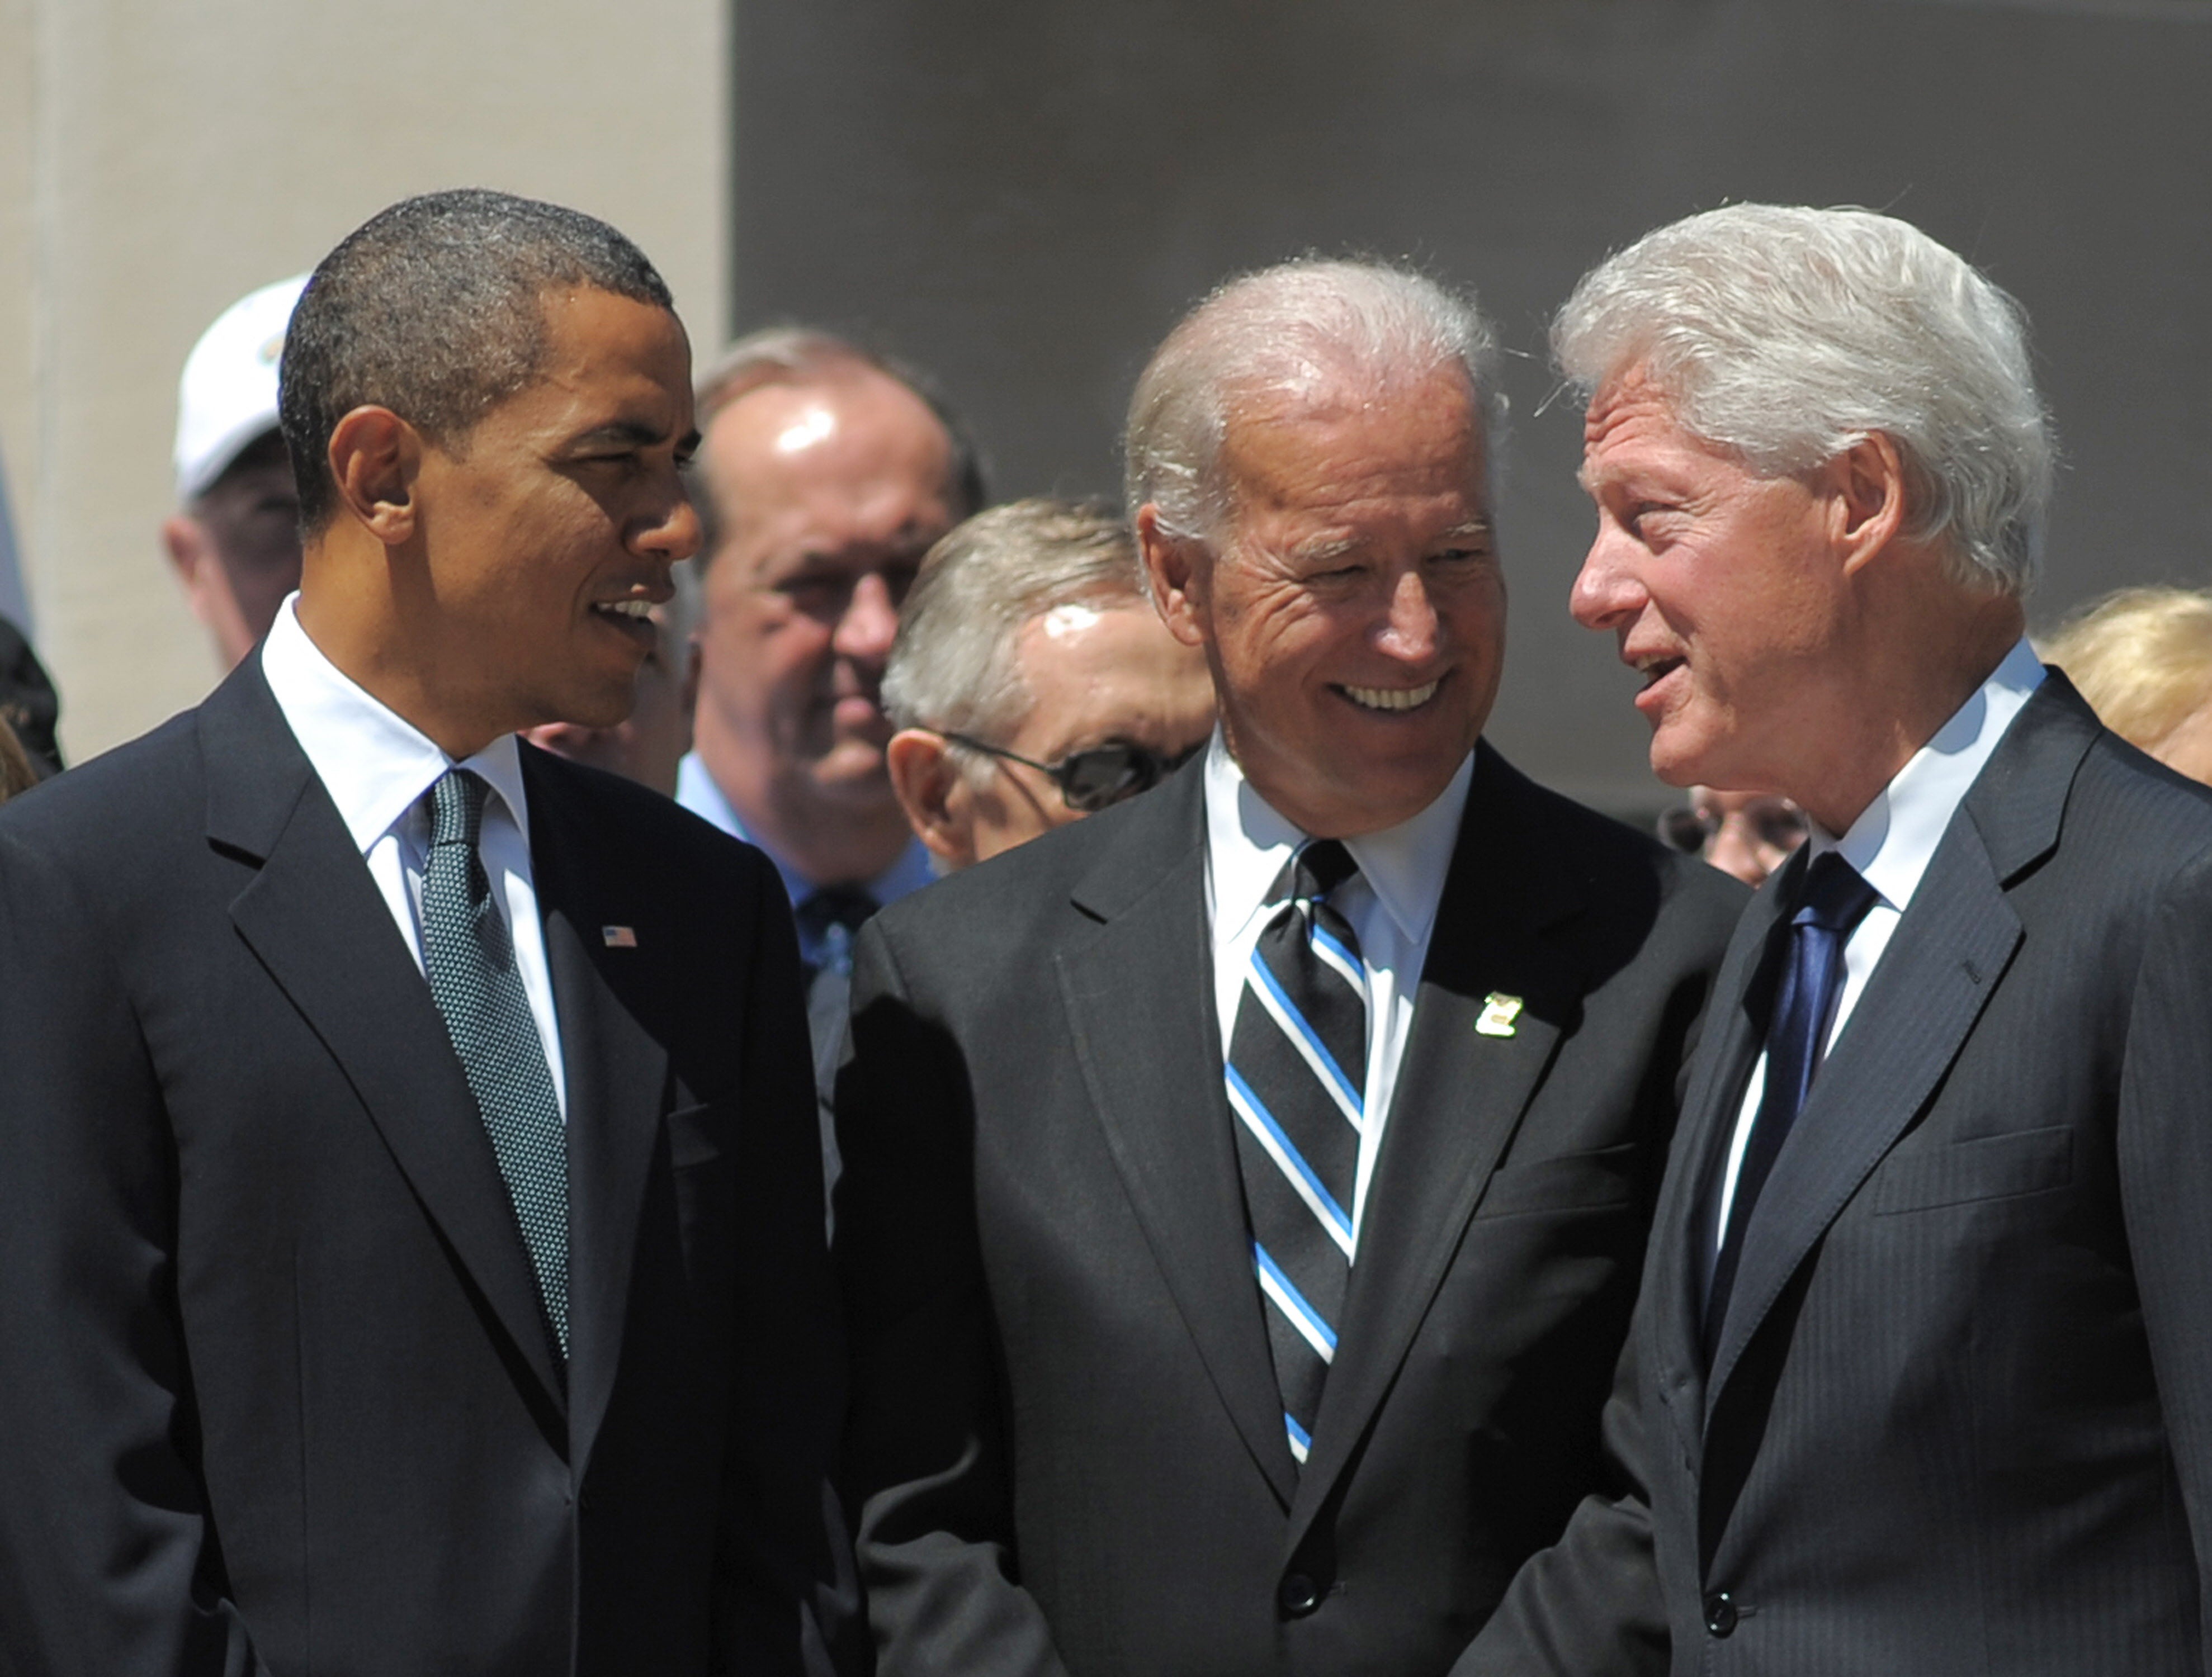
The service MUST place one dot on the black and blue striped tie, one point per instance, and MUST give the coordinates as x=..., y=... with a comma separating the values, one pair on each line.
x=1296, y=1073
x=470, y=960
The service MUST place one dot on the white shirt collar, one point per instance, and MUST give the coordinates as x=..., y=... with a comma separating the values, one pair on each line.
x=1248, y=841
x=375, y=764
x=1895, y=837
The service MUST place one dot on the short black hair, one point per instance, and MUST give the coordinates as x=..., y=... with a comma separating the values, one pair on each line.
x=435, y=308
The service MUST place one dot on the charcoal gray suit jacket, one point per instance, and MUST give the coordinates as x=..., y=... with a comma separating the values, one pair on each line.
x=1067, y=1443
x=1960, y=1418
x=274, y=1389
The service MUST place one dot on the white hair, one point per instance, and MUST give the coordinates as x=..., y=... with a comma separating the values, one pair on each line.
x=1298, y=327
x=953, y=666
x=1791, y=335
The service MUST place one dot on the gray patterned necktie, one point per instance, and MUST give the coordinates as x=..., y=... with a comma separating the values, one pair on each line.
x=470, y=959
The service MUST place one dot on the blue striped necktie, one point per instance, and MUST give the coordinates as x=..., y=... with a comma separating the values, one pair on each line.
x=1297, y=1063
x=470, y=960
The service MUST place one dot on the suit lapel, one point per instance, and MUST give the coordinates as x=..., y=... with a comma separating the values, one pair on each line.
x=616, y=1075
x=1151, y=1061
x=1709, y=1105
x=1944, y=961
x=315, y=919
x=1460, y=1096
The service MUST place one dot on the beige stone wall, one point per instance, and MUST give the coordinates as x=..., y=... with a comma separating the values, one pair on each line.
x=157, y=160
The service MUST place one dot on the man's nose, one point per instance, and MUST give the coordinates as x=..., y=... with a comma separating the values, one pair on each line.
x=1411, y=631
x=676, y=533
x=870, y=622
x=1606, y=594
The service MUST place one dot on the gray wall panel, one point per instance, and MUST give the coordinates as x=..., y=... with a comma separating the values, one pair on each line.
x=1025, y=197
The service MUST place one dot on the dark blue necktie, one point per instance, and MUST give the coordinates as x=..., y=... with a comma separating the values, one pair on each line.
x=1834, y=899
x=1296, y=1071
x=470, y=960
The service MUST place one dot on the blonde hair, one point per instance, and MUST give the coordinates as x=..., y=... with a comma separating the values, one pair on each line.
x=2142, y=657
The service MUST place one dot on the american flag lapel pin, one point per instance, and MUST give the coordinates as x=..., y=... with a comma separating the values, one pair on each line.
x=618, y=937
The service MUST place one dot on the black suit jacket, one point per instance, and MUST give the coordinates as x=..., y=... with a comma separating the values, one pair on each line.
x=1960, y=1420
x=1066, y=1441
x=274, y=1389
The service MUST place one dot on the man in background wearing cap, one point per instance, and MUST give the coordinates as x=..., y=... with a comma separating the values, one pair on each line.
x=234, y=538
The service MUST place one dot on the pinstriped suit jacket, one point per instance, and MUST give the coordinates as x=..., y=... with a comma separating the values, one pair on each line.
x=1960, y=1418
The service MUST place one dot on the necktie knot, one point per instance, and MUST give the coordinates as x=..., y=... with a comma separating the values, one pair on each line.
x=1837, y=896
x=1314, y=869
x=848, y=906
x=457, y=807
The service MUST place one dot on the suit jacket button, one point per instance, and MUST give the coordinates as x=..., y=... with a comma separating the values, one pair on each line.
x=1720, y=1613
x=1298, y=1595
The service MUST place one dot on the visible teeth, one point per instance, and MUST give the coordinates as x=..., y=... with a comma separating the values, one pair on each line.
x=627, y=608
x=1394, y=698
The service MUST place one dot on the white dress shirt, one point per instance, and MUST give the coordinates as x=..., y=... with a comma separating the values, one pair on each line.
x=1891, y=844
x=379, y=770
x=1391, y=904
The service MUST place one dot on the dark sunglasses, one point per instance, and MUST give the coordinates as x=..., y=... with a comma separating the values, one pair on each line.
x=1778, y=824
x=1089, y=781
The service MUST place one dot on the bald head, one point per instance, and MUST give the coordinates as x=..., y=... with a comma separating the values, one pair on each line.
x=827, y=482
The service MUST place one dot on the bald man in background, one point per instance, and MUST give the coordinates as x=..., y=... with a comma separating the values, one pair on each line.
x=824, y=476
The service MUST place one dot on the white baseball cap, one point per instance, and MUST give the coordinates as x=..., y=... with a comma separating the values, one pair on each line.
x=227, y=397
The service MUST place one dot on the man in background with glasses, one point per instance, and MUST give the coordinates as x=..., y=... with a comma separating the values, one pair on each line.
x=1032, y=682
x=1246, y=1186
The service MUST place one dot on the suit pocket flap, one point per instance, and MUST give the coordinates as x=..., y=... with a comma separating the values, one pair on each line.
x=693, y=1135
x=1990, y=1167
x=1572, y=1182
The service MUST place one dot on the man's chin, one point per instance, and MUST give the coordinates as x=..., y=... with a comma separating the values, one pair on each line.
x=852, y=774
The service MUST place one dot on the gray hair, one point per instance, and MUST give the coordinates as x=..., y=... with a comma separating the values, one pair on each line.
x=1280, y=331
x=1791, y=335
x=791, y=354
x=953, y=665
x=435, y=308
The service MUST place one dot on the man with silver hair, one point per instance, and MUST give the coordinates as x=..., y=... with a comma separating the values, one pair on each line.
x=1246, y=1186
x=1032, y=682
x=1921, y=1380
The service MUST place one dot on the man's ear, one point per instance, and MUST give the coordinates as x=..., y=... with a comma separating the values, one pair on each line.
x=928, y=781
x=375, y=457
x=1868, y=511
x=1176, y=568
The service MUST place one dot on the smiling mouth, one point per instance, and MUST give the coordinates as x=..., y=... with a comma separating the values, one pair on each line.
x=1654, y=670
x=631, y=611
x=1391, y=698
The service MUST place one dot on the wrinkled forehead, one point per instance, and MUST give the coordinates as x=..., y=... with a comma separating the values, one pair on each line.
x=1346, y=443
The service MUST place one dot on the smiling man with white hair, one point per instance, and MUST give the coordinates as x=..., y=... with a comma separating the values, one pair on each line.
x=1920, y=1378
x=1246, y=1186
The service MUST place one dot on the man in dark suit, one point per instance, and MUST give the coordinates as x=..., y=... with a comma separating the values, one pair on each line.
x=409, y=1186
x=1921, y=1380
x=1246, y=1186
